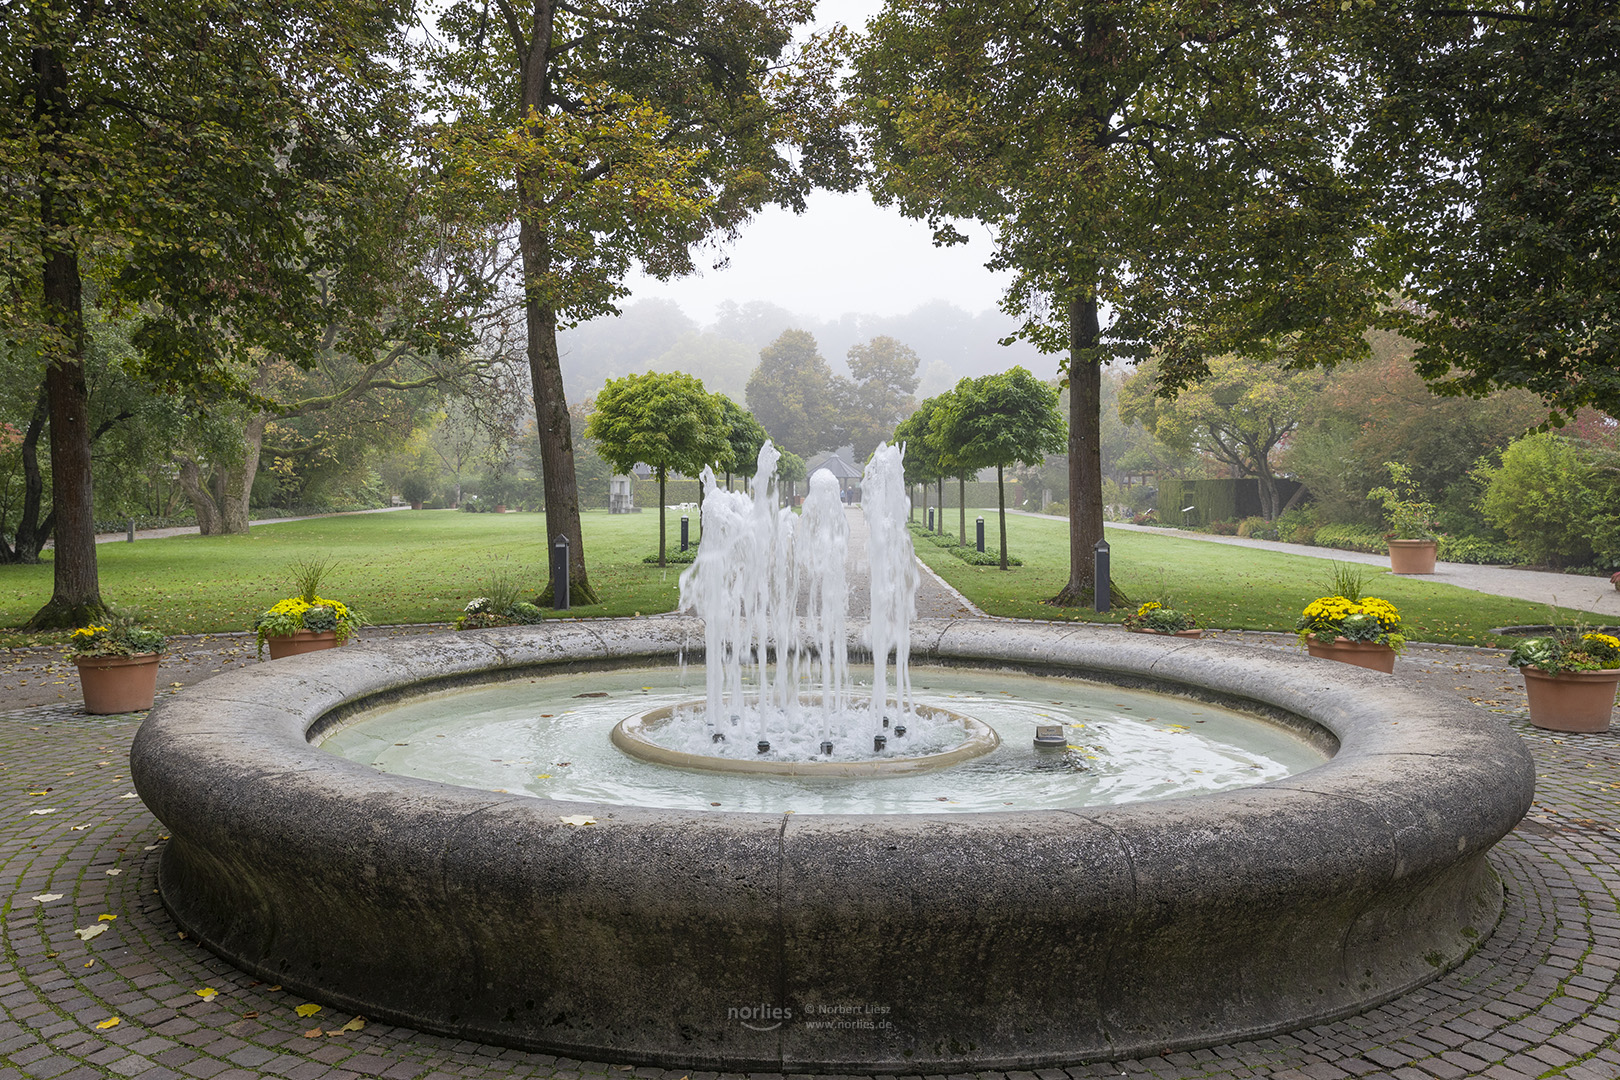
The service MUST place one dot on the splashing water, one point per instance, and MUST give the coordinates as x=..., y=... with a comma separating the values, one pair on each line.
x=760, y=568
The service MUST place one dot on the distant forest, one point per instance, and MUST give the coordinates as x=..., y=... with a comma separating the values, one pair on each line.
x=657, y=335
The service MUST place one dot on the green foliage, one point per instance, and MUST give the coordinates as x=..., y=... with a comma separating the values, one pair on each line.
x=1477, y=549
x=793, y=393
x=1570, y=651
x=501, y=605
x=998, y=421
x=1351, y=538
x=307, y=574
x=1493, y=147
x=119, y=634
x=1159, y=617
x=744, y=437
x=665, y=419
x=1547, y=498
x=790, y=467
x=415, y=487
x=1258, y=528
x=1362, y=618
x=879, y=396
x=1348, y=580
x=1410, y=516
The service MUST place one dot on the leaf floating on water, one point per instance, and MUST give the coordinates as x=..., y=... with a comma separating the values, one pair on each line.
x=577, y=819
x=110, y=1022
x=46, y=897
x=307, y=1009
x=85, y=933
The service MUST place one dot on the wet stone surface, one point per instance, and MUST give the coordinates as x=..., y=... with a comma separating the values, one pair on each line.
x=1534, y=1000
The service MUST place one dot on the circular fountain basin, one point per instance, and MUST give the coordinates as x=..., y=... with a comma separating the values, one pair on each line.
x=857, y=942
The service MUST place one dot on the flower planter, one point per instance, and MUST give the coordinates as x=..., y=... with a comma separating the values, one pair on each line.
x=1412, y=556
x=417, y=505
x=1167, y=633
x=118, y=684
x=302, y=642
x=1365, y=654
x=1571, y=700
x=500, y=508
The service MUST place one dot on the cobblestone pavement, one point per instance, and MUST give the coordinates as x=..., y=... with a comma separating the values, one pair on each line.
x=98, y=982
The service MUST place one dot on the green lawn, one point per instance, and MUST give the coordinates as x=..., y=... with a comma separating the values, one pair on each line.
x=1221, y=585
x=405, y=567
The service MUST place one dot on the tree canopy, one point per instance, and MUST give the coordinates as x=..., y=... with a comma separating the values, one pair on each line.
x=1174, y=163
x=792, y=393
x=999, y=420
x=665, y=419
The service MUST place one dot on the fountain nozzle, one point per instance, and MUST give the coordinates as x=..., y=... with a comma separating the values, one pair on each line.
x=899, y=730
x=826, y=748
x=879, y=742
x=764, y=746
x=885, y=719
x=718, y=736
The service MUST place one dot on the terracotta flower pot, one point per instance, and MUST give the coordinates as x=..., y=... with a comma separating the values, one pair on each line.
x=417, y=505
x=1571, y=700
x=302, y=642
x=1365, y=654
x=1412, y=556
x=118, y=684
x=1195, y=632
x=500, y=508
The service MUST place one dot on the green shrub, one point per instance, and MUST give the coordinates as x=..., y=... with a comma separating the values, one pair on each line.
x=1296, y=526
x=1222, y=528
x=988, y=557
x=1257, y=528
x=1479, y=549
x=1351, y=538
x=1546, y=498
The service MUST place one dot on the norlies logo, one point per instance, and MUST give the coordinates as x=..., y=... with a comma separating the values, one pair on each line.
x=761, y=1017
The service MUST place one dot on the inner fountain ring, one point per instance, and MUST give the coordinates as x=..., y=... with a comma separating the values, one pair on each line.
x=919, y=943
x=632, y=736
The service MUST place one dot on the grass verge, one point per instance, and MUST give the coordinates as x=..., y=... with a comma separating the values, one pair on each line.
x=406, y=567
x=1221, y=585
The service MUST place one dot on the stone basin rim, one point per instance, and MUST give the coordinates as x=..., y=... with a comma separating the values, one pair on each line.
x=306, y=868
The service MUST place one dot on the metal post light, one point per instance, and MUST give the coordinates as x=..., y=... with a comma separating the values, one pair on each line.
x=980, y=524
x=1100, y=569
x=559, y=573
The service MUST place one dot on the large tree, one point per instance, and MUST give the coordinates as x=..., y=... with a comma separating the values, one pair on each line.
x=1495, y=150
x=795, y=395
x=173, y=155
x=665, y=419
x=1170, y=165
x=883, y=375
x=619, y=133
x=1240, y=414
x=1000, y=420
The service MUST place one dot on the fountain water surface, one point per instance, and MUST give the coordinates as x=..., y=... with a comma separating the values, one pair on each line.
x=767, y=580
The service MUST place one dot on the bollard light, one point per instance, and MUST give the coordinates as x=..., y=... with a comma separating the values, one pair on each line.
x=1099, y=590
x=686, y=525
x=559, y=573
x=981, y=535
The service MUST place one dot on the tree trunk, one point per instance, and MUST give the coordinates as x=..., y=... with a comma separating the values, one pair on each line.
x=237, y=481
x=1001, y=507
x=202, y=500
x=30, y=532
x=551, y=416
x=1268, y=491
x=1085, y=451
x=961, y=509
x=76, y=593
x=939, y=526
x=661, y=512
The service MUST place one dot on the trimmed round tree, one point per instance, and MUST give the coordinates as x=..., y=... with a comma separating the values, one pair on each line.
x=744, y=436
x=922, y=465
x=662, y=418
x=1000, y=420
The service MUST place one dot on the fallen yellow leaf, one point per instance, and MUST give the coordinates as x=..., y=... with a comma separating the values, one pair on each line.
x=307, y=1009
x=354, y=1025
x=87, y=932
x=105, y=918
x=208, y=993
x=110, y=1022
x=313, y=1033
x=46, y=897
x=577, y=819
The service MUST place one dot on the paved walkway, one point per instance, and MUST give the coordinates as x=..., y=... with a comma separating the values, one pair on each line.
x=1566, y=590
x=192, y=530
